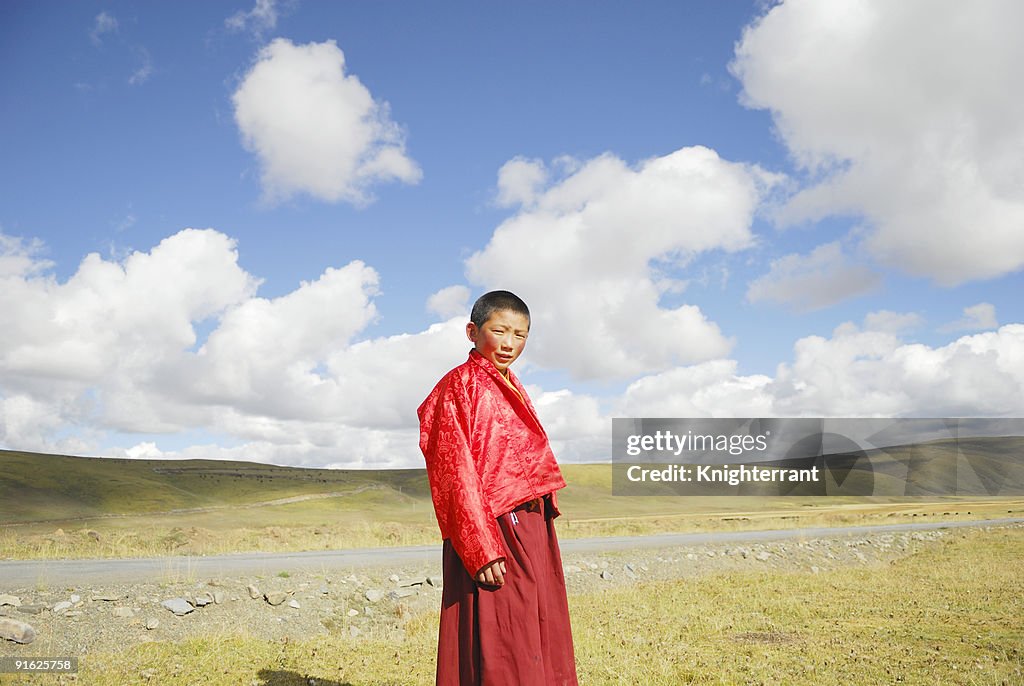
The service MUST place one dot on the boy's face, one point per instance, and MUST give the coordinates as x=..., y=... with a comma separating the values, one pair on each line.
x=502, y=337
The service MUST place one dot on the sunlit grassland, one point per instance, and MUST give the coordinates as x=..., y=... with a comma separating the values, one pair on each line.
x=951, y=613
x=55, y=507
x=947, y=615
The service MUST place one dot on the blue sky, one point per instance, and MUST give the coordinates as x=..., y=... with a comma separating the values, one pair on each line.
x=714, y=209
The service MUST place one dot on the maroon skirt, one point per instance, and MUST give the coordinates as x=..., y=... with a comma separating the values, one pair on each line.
x=517, y=634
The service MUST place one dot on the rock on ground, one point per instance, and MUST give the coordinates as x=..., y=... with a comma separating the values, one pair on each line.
x=276, y=597
x=19, y=632
x=178, y=606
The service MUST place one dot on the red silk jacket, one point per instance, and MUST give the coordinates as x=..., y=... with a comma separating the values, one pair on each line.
x=486, y=453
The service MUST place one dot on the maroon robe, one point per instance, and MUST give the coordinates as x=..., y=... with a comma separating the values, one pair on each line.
x=486, y=455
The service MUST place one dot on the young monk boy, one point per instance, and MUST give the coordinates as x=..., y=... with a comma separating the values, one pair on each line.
x=493, y=477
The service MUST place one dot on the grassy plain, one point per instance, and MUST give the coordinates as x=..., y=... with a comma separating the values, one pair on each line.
x=950, y=614
x=55, y=507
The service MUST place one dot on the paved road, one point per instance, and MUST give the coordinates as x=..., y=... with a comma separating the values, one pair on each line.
x=29, y=573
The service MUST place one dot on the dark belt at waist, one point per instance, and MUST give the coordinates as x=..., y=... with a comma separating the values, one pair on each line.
x=535, y=505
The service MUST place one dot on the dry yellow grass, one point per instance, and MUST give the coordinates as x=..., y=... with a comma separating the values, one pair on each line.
x=316, y=525
x=952, y=613
x=49, y=504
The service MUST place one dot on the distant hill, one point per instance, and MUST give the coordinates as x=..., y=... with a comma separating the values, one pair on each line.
x=41, y=487
x=35, y=486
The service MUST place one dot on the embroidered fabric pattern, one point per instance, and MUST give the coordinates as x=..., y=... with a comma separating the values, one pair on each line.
x=486, y=453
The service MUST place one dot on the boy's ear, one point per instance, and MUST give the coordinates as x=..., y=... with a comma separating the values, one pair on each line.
x=471, y=332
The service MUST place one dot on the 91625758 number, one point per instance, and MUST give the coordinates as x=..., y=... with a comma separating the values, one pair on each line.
x=53, y=665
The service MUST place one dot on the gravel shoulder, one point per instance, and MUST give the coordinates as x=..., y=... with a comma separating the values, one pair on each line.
x=98, y=616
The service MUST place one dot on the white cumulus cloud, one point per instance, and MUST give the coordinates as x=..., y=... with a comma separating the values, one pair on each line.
x=109, y=318
x=593, y=251
x=906, y=115
x=113, y=351
x=451, y=301
x=857, y=372
x=854, y=373
x=263, y=356
x=316, y=129
x=821, y=278
x=575, y=425
x=867, y=373
x=73, y=350
x=20, y=257
x=520, y=180
x=976, y=318
x=709, y=389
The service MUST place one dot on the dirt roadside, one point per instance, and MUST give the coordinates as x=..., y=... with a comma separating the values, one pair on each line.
x=359, y=601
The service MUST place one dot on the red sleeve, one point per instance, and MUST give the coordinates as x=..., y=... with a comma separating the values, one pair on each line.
x=462, y=511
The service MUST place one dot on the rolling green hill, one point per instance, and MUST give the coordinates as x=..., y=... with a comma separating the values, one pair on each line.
x=39, y=487
x=36, y=486
x=63, y=506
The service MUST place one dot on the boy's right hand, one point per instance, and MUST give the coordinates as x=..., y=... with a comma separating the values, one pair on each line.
x=492, y=574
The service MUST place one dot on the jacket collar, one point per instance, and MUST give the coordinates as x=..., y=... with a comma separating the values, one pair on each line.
x=489, y=366
x=519, y=398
